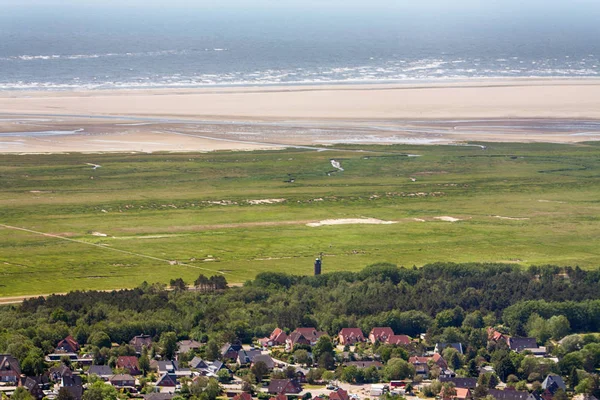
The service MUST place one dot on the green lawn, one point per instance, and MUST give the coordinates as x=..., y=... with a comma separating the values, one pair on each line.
x=156, y=208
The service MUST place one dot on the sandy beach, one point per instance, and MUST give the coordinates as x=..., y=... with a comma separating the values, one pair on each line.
x=560, y=111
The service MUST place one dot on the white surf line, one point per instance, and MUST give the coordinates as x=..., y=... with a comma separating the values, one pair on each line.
x=108, y=248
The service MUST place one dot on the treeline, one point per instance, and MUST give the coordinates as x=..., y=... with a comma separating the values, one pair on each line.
x=437, y=299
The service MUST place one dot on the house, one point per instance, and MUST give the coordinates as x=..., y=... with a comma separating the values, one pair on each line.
x=306, y=336
x=284, y=386
x=122, y=380
x=364, y=364
x=140, y=341
x=58, y=372
x=171, y=367
x=129, y=363
x=230, y=351
x=247, y=356
x=380, y=335
x=494, y=335
x=339, y=394
x=582, y=396
x=34, y=387
x=511, y=394
x=269, y=362
x=553, y=383
x=350, y=336
x=67, y=345
x=277, y=338
x=463, y=394
x=102, y=371
x=185, y=346
x=467, y=383
x=207, y=368
x=10, y=370
x=439, y=361
x=399, y=340
x=73, y=384
x=421, y=364
x=242, y=396
x=159, y=396
x=167, y=380
x=439, y=347
x=280, y=397
x=520, y=344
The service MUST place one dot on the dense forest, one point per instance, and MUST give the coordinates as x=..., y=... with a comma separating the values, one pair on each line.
x=433, y=299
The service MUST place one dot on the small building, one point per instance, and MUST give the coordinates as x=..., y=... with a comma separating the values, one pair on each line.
x=399, y=340
x=350, y=336
x=380, y=335
x=122, y=381
x=277, y=338
x=102, y=371
x=67, y=345
x=167, y=380
x=553, y=383
x=247, y=356
x=129, y=363
x=466, y=383
x=520, y=344
x=230, y=351
x=440, y=347
x=339, y=394
x=73, y=385
x=242, y=396
x=305, y=336
x=463, y=394
x=364, y=364
x=185, y=346
x=284, y=386
x=159, y=396
x=10, y=370
x=511, y=394
x=140, y=341
x=267, y=359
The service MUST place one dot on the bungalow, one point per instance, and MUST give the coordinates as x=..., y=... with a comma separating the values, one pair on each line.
x=463, y=394
x=172, y=367
x=122, y=380
x=185, y=346
x=511, y=394
x=380, y=335
x=277, y=338
x=73, y=384
x=399, y=340
x=102, y=371
x=339, y=394
x=440, y=347
x=34, y=387
x=494, y=335
x=520, y=344
x=306, y=336
x=67, y=345
x=230, y=351
x=140, y=341
x=58, y=372
x=247, y=356
x=467, y=383
x=159, y=396
x=284, y=386
x=269, y=362
x=364, y=364
x=553, y=383
x=242, y=396
x=129, y=363
x=10, y=370
x=349, y=336
x=167, y=380
x=207, y=368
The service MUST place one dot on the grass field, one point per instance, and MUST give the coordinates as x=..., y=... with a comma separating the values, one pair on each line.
x=195, y=209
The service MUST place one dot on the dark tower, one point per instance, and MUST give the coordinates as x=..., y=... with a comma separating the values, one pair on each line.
x=318, y=266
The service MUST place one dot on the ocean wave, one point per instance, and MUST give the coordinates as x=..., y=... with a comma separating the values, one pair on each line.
x=27, y=57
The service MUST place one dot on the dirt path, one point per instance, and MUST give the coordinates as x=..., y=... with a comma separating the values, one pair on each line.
x=170, y=262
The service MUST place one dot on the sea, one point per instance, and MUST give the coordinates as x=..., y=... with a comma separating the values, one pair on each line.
x=83, y=46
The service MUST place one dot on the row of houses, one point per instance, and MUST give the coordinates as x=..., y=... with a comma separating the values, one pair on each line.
x=346, y=336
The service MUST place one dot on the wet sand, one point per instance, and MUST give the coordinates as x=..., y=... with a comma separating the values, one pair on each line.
x=558, y=111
